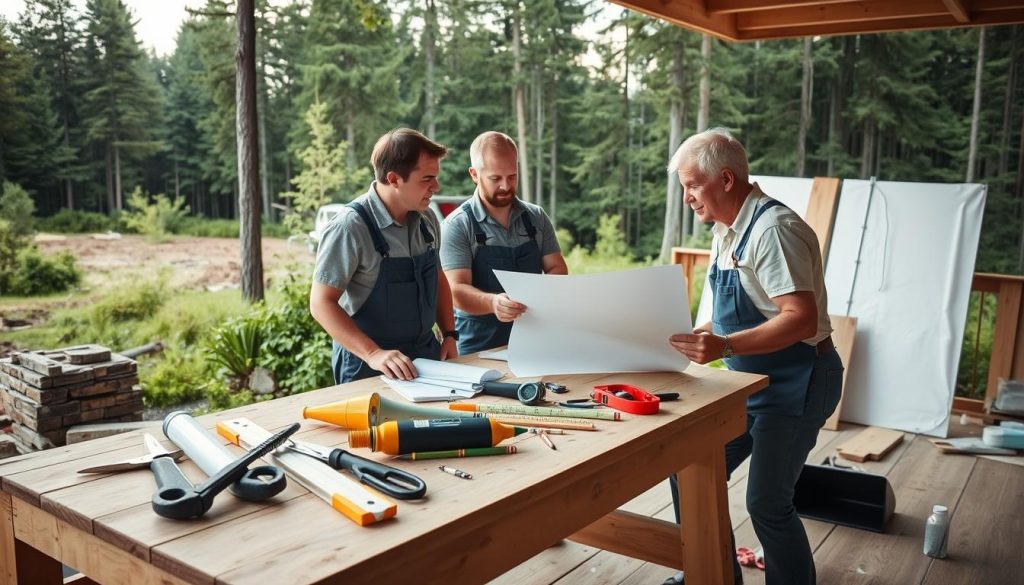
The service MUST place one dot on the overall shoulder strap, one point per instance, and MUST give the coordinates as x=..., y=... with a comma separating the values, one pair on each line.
x=379, y=244
x=478, y=232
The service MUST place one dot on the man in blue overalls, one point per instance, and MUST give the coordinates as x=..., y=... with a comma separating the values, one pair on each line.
x=494, y=230
x=377, y=289
x=769, y=317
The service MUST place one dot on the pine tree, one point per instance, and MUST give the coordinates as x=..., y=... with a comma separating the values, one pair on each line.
x=120, y=101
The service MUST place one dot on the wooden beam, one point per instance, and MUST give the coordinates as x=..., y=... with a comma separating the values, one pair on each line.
x=828, y=14
x=958, y=10
x=733, y=6
x=988, y=18
x=637, y=536
x=1008, y=309
x=687, y=14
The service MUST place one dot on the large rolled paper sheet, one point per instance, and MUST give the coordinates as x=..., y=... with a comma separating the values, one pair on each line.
x=598, y=323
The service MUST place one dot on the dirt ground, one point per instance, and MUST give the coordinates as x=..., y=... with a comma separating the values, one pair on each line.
x=190, y=263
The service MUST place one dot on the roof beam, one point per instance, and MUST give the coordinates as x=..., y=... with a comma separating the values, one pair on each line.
x=958, y=9
x=733, y=6
x=688, y=14
x=828, y=15
x=1005, y=16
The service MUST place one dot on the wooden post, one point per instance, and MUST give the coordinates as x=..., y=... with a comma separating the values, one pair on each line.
x=248, y=152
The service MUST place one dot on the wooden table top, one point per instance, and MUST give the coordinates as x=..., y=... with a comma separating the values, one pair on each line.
x=297, y=538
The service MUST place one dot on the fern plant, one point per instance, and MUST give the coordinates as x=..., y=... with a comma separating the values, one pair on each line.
x=236, y=347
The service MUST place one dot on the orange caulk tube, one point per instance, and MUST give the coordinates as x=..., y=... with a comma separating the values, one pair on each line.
x=410, y=436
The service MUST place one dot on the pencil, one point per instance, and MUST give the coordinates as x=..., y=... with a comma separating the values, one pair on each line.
x=545, y=422
x=474, y=452
x=518, y=409
x=544, y=437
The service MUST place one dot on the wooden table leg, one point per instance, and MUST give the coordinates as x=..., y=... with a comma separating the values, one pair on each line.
x=19, y=562
x=704, y=514
x=8, y=569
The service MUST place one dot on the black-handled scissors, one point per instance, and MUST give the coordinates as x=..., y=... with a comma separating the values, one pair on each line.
x=390, y=480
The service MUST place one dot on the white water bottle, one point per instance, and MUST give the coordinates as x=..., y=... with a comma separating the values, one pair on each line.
x=936, y=532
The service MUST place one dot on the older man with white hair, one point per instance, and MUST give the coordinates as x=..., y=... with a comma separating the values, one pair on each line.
x=769, y=317
x=494, y=230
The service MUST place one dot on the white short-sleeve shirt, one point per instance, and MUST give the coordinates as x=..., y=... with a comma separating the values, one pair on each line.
x=781, y=257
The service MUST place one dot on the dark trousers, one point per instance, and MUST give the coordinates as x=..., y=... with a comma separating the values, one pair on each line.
x=778, y=446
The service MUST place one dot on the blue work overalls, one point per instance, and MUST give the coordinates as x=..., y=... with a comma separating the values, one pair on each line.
x=401, y=309
x=480, y=332
x=782, y=423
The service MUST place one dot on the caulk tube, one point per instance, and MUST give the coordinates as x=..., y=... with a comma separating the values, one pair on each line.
x=209, y=453
x=410, y=436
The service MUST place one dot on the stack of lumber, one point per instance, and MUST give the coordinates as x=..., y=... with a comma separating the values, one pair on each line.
x=44, y=392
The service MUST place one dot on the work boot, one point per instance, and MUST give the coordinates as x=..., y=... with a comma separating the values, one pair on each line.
x=678, y=579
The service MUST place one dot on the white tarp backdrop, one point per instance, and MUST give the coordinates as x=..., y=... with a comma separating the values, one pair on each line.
x=909, y=292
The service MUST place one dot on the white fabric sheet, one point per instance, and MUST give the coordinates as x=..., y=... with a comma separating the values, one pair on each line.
x=910, y=296
x=597, y=323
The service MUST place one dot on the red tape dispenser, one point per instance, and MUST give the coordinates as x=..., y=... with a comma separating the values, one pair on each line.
x=626, y=398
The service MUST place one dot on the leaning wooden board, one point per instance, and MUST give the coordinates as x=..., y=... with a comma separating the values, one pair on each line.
x=872, y=443
x=844, y=330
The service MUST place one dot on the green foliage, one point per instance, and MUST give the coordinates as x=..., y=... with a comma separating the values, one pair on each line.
x=15, y=229
x=323, y=176
x=67, y=221
x=610, y=241
x=223, y=228
x=129, y=304
x=976, y=347
x=38, y=275
x=176, y=376
x=155, y=217
x=235, y=346
x=295, y=348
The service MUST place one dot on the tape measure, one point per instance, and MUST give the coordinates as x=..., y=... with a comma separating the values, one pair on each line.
x=626, y=398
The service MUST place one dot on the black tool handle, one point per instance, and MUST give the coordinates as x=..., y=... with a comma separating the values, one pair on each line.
x=231, y=473
x=390, y=480
x=503, y=389
x=260, y=483
x=667, y=396
x=175, y=496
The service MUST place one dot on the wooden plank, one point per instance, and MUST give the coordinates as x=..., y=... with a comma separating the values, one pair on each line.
x=647, y=539
x=1008, y=315
x=821, y=211
x=687, y=13
x=840, y=14
x=1009, y=16
x=844, y=332
x=984, y=536
x=731, y=6
x=958, y=9
x=872, y=443
x=1017, y=372
x=923, y=478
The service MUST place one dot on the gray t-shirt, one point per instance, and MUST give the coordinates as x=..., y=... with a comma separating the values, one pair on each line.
x=459, y=243
x=346, y=259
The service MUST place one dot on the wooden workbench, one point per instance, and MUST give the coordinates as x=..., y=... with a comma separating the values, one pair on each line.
x=464, y=531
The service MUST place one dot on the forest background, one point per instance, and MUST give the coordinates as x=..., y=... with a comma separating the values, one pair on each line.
x=596, y=96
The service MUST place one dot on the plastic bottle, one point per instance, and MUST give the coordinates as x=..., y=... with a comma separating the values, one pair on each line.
x=408, y=436
x=936, y=532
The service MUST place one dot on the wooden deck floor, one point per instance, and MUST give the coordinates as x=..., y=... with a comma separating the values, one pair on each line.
x=985, y=497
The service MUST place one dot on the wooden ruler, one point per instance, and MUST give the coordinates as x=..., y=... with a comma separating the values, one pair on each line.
x=360, y=504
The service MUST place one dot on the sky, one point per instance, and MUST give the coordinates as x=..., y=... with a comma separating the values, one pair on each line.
x=157, y=25
x=157, y=21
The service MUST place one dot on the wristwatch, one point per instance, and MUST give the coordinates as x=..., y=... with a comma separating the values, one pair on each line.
x=453, y=334
x=727, y=351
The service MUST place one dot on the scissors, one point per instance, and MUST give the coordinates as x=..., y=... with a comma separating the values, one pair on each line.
x=156, y=450
x=390, y=480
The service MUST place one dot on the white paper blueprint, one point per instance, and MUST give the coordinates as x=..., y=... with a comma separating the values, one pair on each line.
x=439, y=380
x=597, y=323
